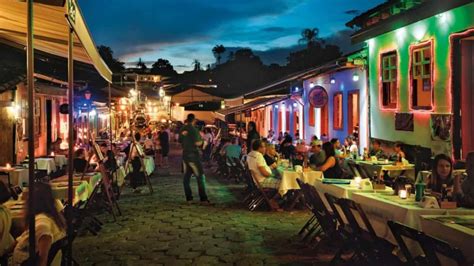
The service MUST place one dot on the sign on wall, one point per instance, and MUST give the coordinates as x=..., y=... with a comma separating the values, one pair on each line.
x=318, y=97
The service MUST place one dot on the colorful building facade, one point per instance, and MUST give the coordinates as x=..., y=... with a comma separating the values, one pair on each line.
x=420, y=61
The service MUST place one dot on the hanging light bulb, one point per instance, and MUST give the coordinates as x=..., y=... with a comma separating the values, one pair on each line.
x=333, y=81
x=355, y=77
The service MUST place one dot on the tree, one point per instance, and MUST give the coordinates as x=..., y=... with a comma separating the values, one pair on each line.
x=141, y=65
x=217, y=51
x=310, y=37
x=197, y=65
x=108, y=56
x=163, y=67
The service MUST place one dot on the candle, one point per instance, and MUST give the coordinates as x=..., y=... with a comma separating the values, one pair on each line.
x=402, y=194
x=8, y=166
x=357, y=181
x=386, y=160
x=52, y=153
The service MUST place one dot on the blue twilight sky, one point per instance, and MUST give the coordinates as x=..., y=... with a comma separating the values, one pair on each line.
x=184, y=30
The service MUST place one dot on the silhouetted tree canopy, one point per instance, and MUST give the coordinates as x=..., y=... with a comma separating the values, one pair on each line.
x=217, y=51
x=163, y=67
x=108, y=56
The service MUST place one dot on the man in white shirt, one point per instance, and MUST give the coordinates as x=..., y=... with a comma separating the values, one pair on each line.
x=259, y=168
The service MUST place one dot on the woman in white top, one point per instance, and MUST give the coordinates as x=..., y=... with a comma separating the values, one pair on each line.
x=50, y=227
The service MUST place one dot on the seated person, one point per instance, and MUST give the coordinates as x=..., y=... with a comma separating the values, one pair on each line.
x=223, y=146
x=271, y=156
x=352, y=145
x=287, y=149
x=50, y=226
x=330, y=167
x=399, y=153
x=298, y=159
x=318, y=157
x=109, y=161
x=338, y=153
x=80, y=162
x=442, y=174
x=7, y=242
x=261, y=172
x=233, y=150
x=377, y=150
x=467, y=186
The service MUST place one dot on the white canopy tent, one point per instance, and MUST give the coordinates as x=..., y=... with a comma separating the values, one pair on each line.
x=50, y=32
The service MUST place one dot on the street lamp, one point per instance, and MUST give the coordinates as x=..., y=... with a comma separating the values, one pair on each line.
x=161, y=93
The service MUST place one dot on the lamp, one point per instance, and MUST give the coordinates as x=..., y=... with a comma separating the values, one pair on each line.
x=311, y=85
x=355, y=77
x=333, y=81
x=161, y=93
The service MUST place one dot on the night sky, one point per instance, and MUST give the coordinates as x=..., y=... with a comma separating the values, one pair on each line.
x=184, y=30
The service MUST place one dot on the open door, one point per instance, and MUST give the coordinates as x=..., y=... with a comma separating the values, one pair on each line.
x=463, y=95
x=49, y=125
x=353, y=112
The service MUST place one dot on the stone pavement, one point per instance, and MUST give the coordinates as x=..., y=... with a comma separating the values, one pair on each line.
x=161, y=229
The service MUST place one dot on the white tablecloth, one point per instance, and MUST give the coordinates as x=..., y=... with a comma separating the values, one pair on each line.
x=288, y=179
x=394, y=170
x=47, y=164
x=457, y=235
x=17, y=176
x=60, y=160
x=149, y=164
x=381, y=208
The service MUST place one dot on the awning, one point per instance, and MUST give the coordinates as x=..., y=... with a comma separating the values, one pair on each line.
x=50, y=32
x=253, y=105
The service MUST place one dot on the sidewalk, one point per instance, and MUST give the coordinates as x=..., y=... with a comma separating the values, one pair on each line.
x=161, y=229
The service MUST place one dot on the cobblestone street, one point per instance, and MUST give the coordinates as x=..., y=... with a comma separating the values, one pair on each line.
x=161, y=229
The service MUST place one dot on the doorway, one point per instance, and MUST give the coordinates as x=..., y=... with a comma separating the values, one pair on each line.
x=353, y=113
x=49, y=110
x=463, y=94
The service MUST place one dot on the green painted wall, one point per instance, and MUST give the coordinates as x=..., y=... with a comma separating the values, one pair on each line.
x=438, y=29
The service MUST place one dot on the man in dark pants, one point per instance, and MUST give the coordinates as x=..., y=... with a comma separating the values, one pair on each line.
x=190, y=140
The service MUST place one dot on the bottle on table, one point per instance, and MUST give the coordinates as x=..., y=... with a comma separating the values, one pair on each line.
x=444, y=192
x=376, y=178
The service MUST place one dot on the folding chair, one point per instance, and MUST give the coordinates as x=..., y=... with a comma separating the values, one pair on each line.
x=264, y=192
x=399, y=231
x=371, y=248
x=327, y=229
x=443, y=248
x=312, y=224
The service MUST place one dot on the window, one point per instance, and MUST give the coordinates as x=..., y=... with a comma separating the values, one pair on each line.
x=337, y=119
x=420, y=74
x=389, y=80
x=311, y=115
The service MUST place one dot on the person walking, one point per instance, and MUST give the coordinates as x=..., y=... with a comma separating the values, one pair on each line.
x=252, y=135
x=165, y=146
x=191, y=140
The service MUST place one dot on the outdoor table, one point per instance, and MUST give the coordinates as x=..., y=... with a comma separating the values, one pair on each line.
x=18, y=176
x=289, y=176
x=458, y=230
x=380, y=166
x=47, y=164
x=343, y=190
x=149, y=164
x=381, y=208
x=425, y=174
x=80, y=188
x=60, y=160
x=121, y=174
x=91, y=180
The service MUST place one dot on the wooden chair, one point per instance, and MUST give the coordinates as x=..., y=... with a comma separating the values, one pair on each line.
x=443, y=248
x=312, y=225
x=266, y=194
x=399, y=231
x=372, y=249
